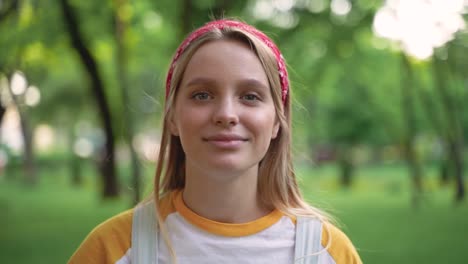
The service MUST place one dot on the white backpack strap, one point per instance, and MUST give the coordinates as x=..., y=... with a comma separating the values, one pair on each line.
x=308, y=240
x=144, y=234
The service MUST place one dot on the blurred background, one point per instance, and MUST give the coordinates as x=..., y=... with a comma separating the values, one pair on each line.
x=380, y=92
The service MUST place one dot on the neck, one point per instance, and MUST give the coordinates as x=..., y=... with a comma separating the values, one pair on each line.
x=230, y=199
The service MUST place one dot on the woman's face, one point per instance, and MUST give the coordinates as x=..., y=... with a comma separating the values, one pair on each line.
x=224, y=112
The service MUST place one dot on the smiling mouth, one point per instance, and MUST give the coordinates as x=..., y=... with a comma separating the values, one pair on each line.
x=226, y=141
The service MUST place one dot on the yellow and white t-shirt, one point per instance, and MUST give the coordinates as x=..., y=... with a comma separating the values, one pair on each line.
x=195, y=239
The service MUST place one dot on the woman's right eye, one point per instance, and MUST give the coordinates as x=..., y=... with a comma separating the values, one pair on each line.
x=201, y=96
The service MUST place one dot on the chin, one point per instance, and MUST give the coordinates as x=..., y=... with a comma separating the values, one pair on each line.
x=229, y=166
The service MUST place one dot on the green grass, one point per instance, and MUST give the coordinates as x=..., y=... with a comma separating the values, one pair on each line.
x=45, y=224
x=377, y=215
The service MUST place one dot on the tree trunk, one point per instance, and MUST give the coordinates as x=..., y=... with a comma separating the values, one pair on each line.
x=2, y=112
x=441, y=129
x=120, y=28
x=186, y=18
x=455, y=134
x=108, y=171
x=74, y=161
x=29, y=165
x=414, y=166
x=346, y=166
x=444, y=171
x=456, y=151
x=7, y=8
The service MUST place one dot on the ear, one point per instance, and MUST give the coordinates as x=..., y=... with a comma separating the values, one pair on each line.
x=275, y=130
x=173, y=126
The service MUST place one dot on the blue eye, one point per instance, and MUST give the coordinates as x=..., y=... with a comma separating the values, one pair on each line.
x=201, y=96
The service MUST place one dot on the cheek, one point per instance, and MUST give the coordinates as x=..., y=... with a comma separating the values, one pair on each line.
x=189, y=122
x=265, y=125
x=180, y=116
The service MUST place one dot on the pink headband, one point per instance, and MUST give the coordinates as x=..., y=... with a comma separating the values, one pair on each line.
x=220, y=24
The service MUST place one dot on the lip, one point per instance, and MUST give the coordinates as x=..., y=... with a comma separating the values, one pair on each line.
x=225, y=137
x=226, y=140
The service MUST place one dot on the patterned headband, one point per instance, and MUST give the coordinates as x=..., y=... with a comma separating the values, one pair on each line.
x=221, y=24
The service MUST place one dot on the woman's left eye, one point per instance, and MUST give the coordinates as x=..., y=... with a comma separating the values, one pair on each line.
x=250, y=97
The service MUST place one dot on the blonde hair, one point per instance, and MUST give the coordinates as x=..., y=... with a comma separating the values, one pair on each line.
x=277, y=185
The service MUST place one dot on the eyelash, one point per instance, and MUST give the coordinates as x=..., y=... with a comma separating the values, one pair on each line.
x=253, y=97
x=197, y=95
x=203, y=96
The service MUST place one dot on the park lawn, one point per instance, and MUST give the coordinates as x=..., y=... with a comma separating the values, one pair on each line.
x=377, y=215
x=45, y=224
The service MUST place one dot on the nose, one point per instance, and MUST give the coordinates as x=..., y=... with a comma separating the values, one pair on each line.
x=225, y=113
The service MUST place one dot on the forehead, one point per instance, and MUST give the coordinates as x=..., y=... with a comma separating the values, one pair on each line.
x=224, y=60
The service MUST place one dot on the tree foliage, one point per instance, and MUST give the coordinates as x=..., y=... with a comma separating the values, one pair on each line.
x=347, y=83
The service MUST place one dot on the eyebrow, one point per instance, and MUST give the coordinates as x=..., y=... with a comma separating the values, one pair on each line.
x=200, y=81
x=250, y=82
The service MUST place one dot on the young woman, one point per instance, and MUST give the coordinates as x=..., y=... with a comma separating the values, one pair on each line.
x=225, y=189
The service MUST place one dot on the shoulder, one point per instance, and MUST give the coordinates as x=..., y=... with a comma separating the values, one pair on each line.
x=106, y=243
x=111, y=240
x=119, y=224
x=338, y=245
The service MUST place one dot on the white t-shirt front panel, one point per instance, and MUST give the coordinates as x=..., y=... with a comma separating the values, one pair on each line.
x=274, y=244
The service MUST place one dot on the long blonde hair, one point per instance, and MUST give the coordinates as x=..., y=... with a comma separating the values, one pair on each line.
x=277, y=185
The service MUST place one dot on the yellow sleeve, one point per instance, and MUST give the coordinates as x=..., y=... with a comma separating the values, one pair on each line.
x=341, y=249
x=107, y=243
